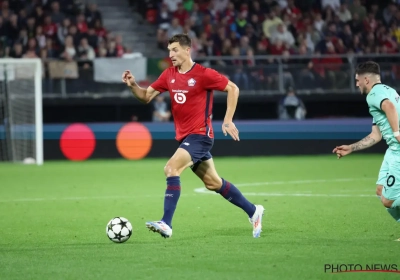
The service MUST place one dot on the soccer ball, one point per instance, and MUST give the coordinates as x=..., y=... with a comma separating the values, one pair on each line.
x=119, y=229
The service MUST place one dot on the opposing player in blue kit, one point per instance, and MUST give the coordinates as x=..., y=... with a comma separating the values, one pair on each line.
x=384, y=107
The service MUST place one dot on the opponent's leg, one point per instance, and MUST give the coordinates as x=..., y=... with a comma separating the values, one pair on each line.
x=206, y=171
x=391, y=189
x=173, y=169
x=382, y=176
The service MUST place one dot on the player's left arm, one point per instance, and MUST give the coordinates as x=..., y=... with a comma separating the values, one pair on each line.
x=391, y=114
x=216, y=81
x=232, y=100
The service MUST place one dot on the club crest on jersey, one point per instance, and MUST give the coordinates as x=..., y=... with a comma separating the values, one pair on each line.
x=172, y=81
x=191, y=82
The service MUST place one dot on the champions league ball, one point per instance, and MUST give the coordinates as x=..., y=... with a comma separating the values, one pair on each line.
x=119, y=229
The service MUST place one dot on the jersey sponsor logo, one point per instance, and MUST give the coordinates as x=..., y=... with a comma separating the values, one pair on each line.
x=180, y=96
x=191, y=82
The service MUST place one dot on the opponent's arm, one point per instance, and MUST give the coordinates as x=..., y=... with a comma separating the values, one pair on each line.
x=374, y=137
x=232, y=100
x=391, y=114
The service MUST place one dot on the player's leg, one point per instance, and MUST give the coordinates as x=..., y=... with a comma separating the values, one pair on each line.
x=391, y=189
x=383, y=171
x=173, y=169
x=206, y=171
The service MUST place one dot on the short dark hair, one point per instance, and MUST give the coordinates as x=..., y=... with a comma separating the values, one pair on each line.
x=369, y=67
x=182, y=39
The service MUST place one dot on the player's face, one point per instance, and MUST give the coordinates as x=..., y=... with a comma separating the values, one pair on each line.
x=177, y=53
x=361, y=84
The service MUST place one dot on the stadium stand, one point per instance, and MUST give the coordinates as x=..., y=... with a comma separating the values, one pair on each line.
x=322, y=29
x=313, y=40
x=58, y=29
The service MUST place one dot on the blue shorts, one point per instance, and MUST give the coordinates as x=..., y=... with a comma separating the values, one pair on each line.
x=199, y=147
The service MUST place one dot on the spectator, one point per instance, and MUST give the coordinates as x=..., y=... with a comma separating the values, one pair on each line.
x=17, y=51
x=63, y=30
x=283, y=35
x=40, y=37
x=358, y=9
x=51, y=52
x=13, y=27
x=291, y=107
x=337, y=78
x=175, y=28
x=172, y=4
x=344, y=13
x=334, y=4
x=239, y=25
x=81, y=24
x=49, y=27
x=92, y=37
x=85, y=51
x=164, y=18
x=69, y=52
x=39, y=15
x=99, y=29
x=181, y=14
x=92, y=14
x=57, y=16
x=160, y=110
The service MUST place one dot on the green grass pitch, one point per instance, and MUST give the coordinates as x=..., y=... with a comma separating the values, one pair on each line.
x=319, y=210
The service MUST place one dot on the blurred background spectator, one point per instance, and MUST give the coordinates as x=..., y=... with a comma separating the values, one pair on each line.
x=291, y=107
x=63, y=29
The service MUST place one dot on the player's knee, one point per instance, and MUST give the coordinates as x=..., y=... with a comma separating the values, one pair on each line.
x=379, y=190
x=170, y=170
x=386, y=202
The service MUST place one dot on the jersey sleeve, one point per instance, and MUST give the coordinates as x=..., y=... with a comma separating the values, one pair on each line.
x=376, y=98
x=215, y=80
x=161, y=84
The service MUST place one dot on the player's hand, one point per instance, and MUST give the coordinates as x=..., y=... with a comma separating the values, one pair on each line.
x=342, y=151
x=128, y=78
x=230, y=128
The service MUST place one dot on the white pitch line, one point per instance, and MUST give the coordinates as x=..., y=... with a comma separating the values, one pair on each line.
x=300, y=182
x=205, y=191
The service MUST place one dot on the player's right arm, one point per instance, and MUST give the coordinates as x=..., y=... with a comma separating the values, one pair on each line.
x=143, y=95
x=374, y=137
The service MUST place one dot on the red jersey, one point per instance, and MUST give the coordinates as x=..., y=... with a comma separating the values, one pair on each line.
x=191, y=96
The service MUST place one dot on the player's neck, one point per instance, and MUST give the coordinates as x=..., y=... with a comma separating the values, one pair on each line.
x=186, y=66
x=374, y=84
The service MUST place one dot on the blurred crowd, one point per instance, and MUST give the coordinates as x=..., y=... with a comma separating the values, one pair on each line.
x=62, y=29
x=282, y=27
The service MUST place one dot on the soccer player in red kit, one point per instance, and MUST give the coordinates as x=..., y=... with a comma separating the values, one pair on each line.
x=191, y=87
